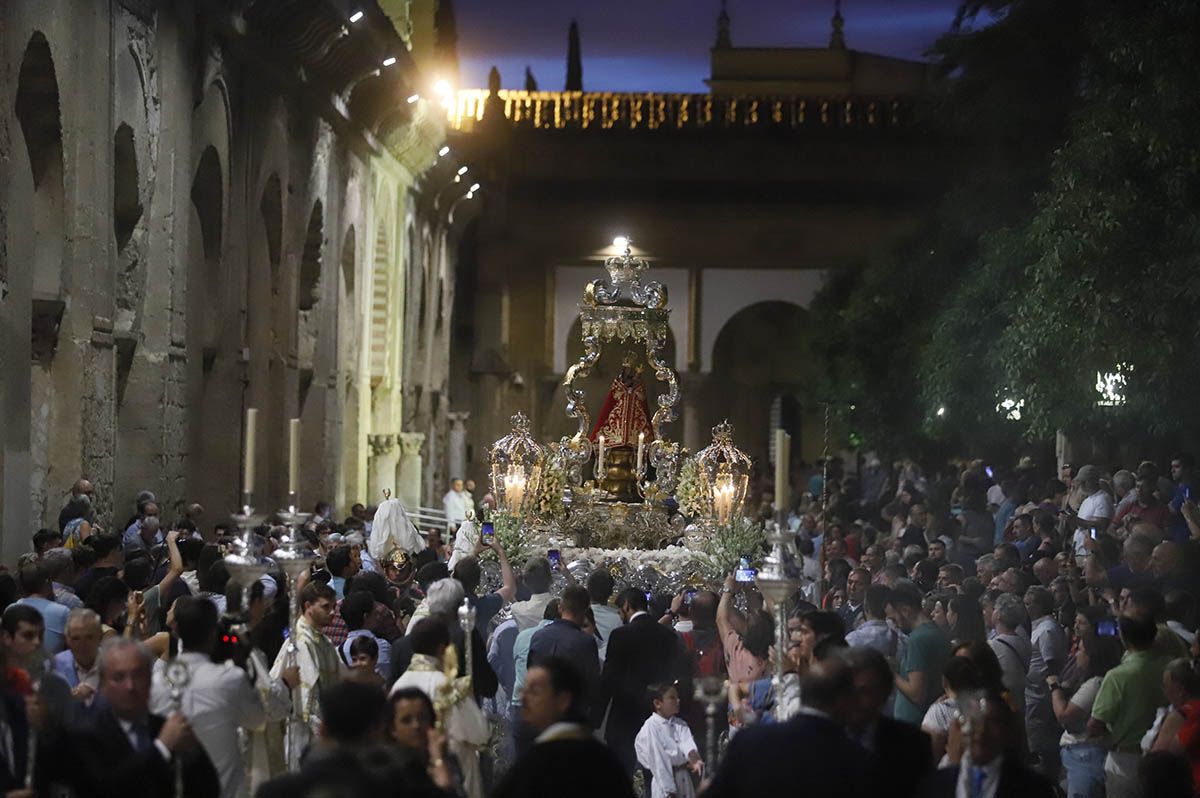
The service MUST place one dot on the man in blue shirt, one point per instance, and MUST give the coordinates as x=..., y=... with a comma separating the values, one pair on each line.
x=35, y=584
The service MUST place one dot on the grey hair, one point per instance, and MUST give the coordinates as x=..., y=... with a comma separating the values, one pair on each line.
x=1124, y=480
x=83, y=615
x=986, y=560
x=57, y=561
x=1139, y=544
x=1010, y=610
x=354, y=539
x=444, y=596
x=1088, y=475
x=114, y=644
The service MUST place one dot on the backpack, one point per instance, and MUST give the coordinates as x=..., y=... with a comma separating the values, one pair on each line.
x=708, y=660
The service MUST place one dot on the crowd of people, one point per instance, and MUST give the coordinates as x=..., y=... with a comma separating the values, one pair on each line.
x=989, y=634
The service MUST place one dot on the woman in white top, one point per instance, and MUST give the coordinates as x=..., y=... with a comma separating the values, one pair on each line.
x=1083, y=756
x=960, y=674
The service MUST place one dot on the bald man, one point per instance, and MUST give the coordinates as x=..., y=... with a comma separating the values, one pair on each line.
x=82, y=487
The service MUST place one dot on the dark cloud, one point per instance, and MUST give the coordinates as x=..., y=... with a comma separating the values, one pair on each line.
x=663, y=45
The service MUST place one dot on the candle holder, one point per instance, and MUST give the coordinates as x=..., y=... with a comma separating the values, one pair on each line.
x=711, y=691
x=294, y=558
x=724, y=474
x=778, y=580
x=517, y=461
x=246, y=518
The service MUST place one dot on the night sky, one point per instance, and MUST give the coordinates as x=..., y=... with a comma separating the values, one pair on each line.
x=663, y=45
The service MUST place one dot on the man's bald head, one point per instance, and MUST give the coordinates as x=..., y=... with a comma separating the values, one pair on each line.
x=1164, y=560
x=82, y=487
x=1045, y=569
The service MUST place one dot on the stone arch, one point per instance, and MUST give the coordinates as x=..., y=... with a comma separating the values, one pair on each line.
x=726, y=292
x=38, y=112
x=213, y=369
x=127, y=204
x=762, y=373
x=595, y=385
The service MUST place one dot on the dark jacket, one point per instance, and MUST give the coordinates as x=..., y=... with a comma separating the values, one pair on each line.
x=562, y=638
x=640, y=653
x=97, y=760
x=584, y=768
x=807, y=755
x=1016, y=781
x=901, y=760
x=483, y=678
x=12, y=774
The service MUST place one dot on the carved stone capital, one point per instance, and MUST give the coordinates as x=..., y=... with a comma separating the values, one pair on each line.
x=411, y=443
x=458, y=419
x=381, y=444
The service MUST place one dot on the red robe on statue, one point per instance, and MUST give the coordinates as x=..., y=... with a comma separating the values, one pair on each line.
x=625, y=413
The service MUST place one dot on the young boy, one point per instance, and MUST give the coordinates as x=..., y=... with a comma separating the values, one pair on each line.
x=665, y=747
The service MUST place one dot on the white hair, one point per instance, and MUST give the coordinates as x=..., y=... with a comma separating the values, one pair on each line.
x=444, y=596
x=83, y=615
x=114, y=644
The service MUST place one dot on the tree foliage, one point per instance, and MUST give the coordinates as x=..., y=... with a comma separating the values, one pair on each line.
x=1067, y=244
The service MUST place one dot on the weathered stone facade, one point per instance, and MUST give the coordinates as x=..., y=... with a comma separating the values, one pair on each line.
x=206, y=207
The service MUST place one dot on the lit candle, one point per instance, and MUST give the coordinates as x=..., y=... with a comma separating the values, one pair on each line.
x=723, y=499
x=641, y=449
x=294, y=456
x=514, y=488
x=248, y=450
x=600, y=460
x=783, y=450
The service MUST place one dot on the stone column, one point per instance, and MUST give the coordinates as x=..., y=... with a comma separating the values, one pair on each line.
x=382, y=467
x=409, y=475
x=690, y=383
x=457, y=445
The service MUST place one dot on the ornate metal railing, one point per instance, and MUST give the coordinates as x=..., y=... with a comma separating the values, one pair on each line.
x=557, y=110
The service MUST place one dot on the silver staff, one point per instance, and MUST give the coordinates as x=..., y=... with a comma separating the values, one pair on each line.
x=294, y=559
x=178, y=678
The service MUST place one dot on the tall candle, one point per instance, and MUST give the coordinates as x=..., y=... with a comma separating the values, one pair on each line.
x=248, y=450
x=600, y=460
x=641, y=449
x=294, y=456
x=783, y=450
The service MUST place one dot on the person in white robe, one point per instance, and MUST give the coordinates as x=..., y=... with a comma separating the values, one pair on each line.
x=465, y=724
x=666, y=748
x=392, y=530
x=457, y=503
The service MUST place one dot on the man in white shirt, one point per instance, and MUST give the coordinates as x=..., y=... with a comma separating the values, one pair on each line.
x=217, y=699
x=528, y=613
x=456, y=503
x=1095, y=512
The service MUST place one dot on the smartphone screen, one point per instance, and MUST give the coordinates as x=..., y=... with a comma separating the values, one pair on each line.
x=688, y=596
x=745, y=574
x=487, y=532
x=1093, y=532
x=1107, y=628
x=649, y=596
x=554, y=557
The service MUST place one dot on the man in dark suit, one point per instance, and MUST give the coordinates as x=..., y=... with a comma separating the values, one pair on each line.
x=122, y=751
x=640, y=653
x=566, y=759
x=900, y=754
x=809, y=754
x=565, y=638
x=991, y=767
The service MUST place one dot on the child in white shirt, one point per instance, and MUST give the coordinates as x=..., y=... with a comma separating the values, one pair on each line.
x=665, y=747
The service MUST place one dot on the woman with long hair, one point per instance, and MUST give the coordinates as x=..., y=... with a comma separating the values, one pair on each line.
x=1083, y=756
x=965, y=616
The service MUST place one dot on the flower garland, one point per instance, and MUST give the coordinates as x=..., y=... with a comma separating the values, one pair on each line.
x=741, y=537
x=688, y=490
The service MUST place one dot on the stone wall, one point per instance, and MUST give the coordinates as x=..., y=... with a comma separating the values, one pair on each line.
x=190, y=227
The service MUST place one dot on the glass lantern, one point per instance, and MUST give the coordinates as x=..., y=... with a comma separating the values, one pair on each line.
x=724, y=472
x=516, y=460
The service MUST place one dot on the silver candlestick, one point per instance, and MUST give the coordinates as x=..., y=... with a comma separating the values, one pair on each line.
x=711, y=691
x=778, y=580
x=294, y=558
